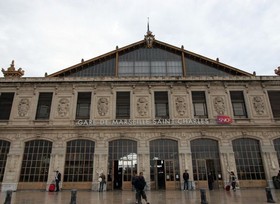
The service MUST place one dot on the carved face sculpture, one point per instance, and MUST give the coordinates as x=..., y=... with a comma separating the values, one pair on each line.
x=219, y=105
x=258, y=104
x=103, y=106
x=180, y=105
x=142, y=106
x=63, y=107
x=23, y=107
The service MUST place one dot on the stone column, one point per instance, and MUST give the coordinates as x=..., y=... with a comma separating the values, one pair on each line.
x=270, y=163
x=12, y=171
x=227, y=162
x=185, y=161
x=100, y=165
x=143, y=161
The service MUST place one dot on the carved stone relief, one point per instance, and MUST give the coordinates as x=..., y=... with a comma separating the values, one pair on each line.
x=181, y=105
x=259, y=105
x=23, y=107
x=103, y=106
x=219, y=105
x=63, y=107
x=142, y=106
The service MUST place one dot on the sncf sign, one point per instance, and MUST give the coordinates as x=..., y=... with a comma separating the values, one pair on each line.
x=224, y=119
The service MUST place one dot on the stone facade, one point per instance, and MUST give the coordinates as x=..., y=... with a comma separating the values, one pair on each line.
x=62, y=126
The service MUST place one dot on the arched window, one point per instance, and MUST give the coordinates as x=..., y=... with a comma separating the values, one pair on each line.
x=79, y=161
x=205, y=158
x=122, y=161
x=248, y=159
x=276, y=143
x=164, y=161
x=4, y=150
x=36, y=160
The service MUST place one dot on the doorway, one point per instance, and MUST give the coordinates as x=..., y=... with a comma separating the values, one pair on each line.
x=202, y=169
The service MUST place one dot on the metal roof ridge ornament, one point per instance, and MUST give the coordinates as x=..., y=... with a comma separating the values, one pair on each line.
x=149, y=37
x=12, y=72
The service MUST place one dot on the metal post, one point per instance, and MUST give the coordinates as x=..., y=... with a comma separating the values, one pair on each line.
x=8, y=197
x=269, y=195
x=203, y=196
x=73, y=196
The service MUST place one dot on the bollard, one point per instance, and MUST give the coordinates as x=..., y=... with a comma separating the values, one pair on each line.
x=269, y=195
x=8, y=197
x=203, y=196
x=73, y=196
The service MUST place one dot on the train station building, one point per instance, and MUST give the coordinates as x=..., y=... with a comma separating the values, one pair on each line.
x=147, y=107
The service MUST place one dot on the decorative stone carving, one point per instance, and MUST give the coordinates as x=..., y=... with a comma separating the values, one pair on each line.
x=63, y=107
x=142, y=106
x=258, y=105
x=181, y=105
x=23, y=107
x=102, y=106
x=11, y=72
x=219, y=105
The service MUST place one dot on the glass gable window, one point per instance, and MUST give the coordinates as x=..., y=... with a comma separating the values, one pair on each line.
x=238, y=104
x=44, y=106
x=161, y=104
x=150, y=62
x=106, y=67
x=123, y=105
x=83, y=105
x=274, y=98
x=6, y=102
x=199, y=104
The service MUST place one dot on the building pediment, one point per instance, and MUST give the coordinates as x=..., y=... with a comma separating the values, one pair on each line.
x=149, y=57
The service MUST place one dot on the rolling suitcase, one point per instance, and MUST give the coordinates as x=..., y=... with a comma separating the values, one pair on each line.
x=52, y=187
x=227, y=187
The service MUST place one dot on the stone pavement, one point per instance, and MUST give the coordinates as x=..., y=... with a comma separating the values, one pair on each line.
x=242, y=196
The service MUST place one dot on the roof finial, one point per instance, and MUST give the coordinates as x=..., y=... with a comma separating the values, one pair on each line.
x=148, y=27
x=150, y=38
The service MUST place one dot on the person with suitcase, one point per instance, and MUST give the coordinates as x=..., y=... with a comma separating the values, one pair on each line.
x=57, y=180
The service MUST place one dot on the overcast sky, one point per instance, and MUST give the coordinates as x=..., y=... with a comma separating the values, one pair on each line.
x=50, y=35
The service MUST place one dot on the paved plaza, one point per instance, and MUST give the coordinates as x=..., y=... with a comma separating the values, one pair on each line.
x=244, y=196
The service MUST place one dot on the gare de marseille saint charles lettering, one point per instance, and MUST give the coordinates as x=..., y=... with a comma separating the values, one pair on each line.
x=134, y=122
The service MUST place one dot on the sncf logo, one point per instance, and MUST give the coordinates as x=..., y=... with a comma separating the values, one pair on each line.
x=224, y=119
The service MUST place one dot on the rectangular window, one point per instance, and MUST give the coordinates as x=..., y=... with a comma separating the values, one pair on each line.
x=44, y=106
x=199, y=104
x=274, y=98
x=83, y=105
x=123, y=105
x=6, y=102
x=161, y=104
x=238, y=104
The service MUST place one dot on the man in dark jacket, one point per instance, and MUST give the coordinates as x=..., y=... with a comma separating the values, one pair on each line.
x=57, y=180
x=186, y=180
x=139, y=185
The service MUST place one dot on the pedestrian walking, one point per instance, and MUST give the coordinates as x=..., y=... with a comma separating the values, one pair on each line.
x=232, y=179
x=140, y=184
x=57, y=180
x=186, y=180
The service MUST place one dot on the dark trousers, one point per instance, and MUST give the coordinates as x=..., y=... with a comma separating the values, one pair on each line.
x=233, y=184
x=56, y=185
x=101, y=185
x=139, y=194
x=186, y=185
